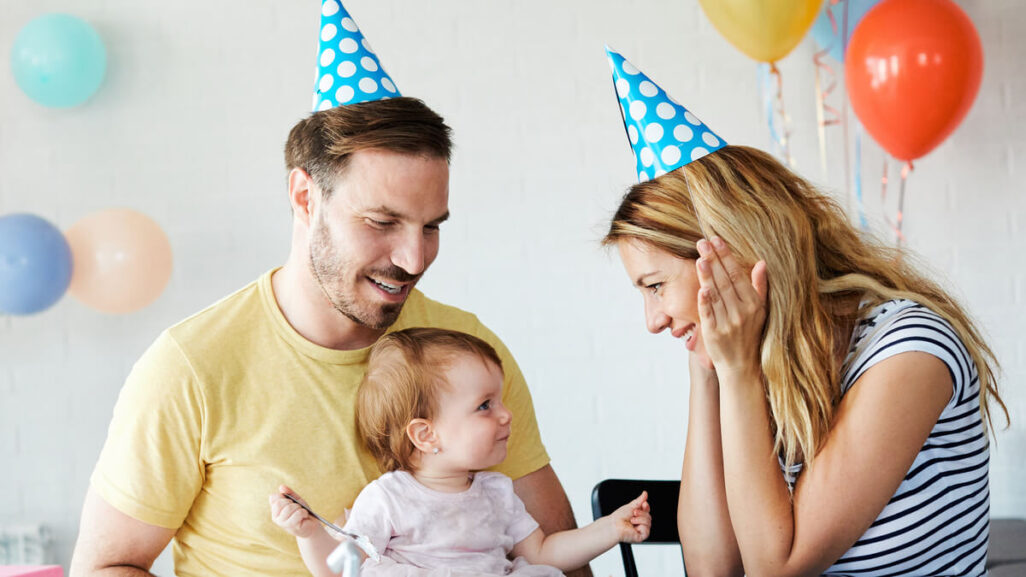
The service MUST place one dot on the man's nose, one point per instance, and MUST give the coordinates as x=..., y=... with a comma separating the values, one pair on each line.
x=410, y=253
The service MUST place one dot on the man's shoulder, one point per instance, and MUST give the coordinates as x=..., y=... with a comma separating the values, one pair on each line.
x=232, y=315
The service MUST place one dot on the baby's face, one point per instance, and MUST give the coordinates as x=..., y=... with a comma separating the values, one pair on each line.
x=472, y=424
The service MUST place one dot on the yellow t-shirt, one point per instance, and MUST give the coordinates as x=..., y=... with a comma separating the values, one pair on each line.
x=232, y=402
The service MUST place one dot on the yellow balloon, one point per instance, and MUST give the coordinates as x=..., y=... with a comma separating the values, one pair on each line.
x=766, y=30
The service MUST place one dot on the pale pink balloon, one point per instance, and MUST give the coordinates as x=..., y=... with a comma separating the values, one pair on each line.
x=122, y=260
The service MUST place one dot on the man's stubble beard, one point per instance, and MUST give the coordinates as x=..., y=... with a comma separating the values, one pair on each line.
x=329, y=270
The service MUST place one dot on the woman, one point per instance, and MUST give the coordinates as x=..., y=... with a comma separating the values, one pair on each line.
x=839, y=399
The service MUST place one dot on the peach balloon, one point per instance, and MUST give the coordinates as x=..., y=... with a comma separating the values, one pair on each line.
x=122, y=260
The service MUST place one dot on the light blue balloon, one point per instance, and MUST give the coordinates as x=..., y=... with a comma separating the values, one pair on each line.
x=823, y=33
x=35, y=264
x=58, y=60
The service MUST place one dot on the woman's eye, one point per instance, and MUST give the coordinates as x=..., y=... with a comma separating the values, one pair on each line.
x=654, y=287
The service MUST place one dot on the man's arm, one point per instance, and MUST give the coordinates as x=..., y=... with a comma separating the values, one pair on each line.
x=546, y=501
x=112, y=544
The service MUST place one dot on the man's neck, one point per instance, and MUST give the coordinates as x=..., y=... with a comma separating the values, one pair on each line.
x=311, y=314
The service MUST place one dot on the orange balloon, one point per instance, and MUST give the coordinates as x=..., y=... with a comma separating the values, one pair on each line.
x=121, y=260
x=913, y=68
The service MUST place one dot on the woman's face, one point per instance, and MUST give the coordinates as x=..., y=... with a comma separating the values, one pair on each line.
x=669, y=287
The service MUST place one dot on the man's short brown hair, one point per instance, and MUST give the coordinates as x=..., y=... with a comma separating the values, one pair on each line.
x=405, y=374
x=322, y=143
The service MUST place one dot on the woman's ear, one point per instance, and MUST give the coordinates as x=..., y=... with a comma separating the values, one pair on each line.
x=422, y=434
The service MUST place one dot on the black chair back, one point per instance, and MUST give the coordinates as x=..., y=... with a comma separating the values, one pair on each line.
x=611, y=494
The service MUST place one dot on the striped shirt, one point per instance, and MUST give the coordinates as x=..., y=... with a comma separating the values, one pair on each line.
x=937, y=523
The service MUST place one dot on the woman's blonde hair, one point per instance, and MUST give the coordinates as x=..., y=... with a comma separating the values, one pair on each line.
x=818, y=265
x=405, y=375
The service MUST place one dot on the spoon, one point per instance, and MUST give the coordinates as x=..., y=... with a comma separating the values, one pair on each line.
x=361, y=540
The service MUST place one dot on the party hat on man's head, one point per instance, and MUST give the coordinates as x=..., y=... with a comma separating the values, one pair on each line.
x=664, y=135
x=348, y=71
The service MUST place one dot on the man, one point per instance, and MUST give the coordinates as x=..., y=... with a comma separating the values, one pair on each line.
x=257, y=390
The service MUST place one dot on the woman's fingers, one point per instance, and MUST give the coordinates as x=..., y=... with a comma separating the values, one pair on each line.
x=711, y=309
x=718, y=273
x=710, y=302
x=748, y=287
x=760, y=281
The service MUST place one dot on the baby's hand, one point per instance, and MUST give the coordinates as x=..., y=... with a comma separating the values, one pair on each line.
x=290, y=516
x=633, y=521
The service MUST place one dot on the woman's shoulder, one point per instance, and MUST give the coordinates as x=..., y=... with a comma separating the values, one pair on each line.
x=896, y=326
x=878, y=323
x=889, y=310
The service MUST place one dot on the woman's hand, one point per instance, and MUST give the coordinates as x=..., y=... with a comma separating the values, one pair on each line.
x=731, y=307
x=290, y=516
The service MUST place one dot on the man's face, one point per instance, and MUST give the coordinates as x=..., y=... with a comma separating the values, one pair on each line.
x=377, y=233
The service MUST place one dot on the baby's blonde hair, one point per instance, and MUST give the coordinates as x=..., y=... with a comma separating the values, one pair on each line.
x=405, y=374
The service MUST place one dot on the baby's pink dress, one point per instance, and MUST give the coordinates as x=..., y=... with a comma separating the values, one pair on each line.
x=421, y=532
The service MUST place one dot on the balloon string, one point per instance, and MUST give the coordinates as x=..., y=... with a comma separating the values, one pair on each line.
x=883, y=195
x=863, y=222
x=844, y=121
x=820, y=97
x=784, y=138
x=821, y=120
x=905, y=170
x=900, y=216
x=826, y=115
x=767, y=101
x=824, y=70
x=833, y=24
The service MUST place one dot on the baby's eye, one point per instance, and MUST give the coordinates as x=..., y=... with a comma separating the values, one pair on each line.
x=485, y=406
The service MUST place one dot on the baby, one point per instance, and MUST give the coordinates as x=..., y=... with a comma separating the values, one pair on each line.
x=430, y=411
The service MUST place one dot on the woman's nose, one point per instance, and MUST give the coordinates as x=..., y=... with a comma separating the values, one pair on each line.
x=655, y=319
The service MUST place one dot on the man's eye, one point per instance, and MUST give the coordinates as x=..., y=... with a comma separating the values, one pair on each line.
x=380, y=223
x=431, y=229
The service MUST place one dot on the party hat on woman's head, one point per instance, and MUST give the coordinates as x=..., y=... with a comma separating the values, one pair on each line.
x=664, y=135
x=348, y=71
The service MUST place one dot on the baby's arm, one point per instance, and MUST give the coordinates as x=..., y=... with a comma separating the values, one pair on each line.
x=569, y=550
x=315, y=544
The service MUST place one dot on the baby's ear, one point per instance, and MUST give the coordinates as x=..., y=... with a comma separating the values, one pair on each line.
x=422, y=434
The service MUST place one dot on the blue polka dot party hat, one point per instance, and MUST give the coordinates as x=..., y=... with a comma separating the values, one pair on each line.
x=348, y=70
x=664, y=135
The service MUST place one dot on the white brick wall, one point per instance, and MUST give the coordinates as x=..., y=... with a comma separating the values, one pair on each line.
x=189, y=127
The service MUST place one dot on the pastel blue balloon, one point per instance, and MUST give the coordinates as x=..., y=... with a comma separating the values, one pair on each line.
x=823, y=33
x=35, y=264
x=58, y=60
